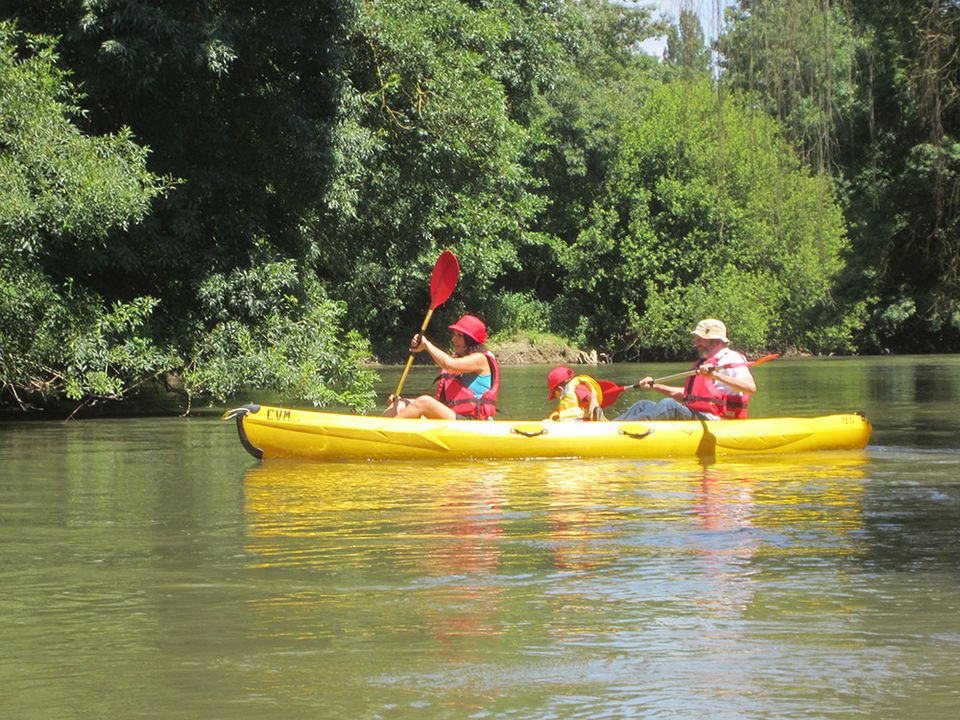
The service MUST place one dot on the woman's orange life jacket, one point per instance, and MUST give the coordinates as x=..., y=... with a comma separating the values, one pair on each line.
x=702, y=394
x=457, y=395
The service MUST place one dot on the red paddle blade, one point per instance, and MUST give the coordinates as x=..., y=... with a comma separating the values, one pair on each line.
x=446, y=272
x=611, y=391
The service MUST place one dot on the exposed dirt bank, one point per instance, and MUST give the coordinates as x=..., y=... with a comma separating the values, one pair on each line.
x=540, y=351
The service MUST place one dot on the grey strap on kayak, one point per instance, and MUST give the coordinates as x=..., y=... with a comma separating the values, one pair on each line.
x=529, y=430
x=635, y=430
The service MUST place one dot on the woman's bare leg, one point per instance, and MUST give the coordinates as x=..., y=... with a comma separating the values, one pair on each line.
x=428, y=407
x=396, y=405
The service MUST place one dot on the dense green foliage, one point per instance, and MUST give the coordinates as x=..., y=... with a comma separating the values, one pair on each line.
x=108, y=279
x=429, y=145
x=60, y=194
x=708, y=218
x=224, y=195
x=870, y=91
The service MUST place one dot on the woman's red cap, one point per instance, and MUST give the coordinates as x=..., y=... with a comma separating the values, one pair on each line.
x=472, y=326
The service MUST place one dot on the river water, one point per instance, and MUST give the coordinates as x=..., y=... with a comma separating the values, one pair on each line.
x=150, y=568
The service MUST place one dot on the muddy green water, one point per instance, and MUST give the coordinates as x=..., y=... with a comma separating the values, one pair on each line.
x=150, y=568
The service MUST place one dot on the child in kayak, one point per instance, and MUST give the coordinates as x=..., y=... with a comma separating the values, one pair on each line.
x=579, y=396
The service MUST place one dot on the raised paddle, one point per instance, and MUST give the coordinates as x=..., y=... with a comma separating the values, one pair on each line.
x=611, y=391
x=446, y=272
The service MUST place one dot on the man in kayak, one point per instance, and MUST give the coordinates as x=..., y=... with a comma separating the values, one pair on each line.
x=720, y=387
x=469, y=379
x=579, y=396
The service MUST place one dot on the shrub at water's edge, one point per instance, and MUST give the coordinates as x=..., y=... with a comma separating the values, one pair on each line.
x=708, y=213
x=63, y=194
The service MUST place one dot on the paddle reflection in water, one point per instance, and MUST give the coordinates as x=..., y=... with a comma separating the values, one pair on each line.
x=746, y=509
x=541, y=581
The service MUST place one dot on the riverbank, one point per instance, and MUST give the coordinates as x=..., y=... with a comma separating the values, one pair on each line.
x=531, y=349
x=541, y=350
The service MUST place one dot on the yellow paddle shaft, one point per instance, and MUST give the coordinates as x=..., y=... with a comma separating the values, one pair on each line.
x=403, y=378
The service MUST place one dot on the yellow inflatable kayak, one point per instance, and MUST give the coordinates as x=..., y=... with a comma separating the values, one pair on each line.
x=270, y=432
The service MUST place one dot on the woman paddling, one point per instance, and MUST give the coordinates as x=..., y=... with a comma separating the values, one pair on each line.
x=469, y=379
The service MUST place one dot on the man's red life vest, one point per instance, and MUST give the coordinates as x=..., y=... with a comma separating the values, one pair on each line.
x=702, y=394
x=457, y=396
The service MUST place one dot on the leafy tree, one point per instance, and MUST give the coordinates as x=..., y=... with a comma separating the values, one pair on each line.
x=799, y=57
x=686, y=50
x=709, y=212
x=237, y=99
x=269, y=328
x=430, y=144
x=870, y=91
x=903, y=169
x=63, y=192
x=326, y=151
x=575, y=143
x=77, y=320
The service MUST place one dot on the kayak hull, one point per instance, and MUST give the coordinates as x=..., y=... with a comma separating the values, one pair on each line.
x=272, y=432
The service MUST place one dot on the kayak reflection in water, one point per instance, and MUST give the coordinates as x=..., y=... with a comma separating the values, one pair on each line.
x=469, y=379
x=720, y=388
